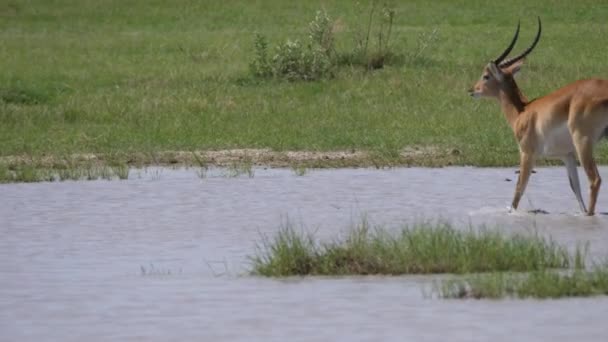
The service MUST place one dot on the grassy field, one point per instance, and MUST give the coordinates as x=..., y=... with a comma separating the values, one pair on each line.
x=124, y=78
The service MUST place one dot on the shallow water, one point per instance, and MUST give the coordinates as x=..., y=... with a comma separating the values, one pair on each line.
x=163, y=255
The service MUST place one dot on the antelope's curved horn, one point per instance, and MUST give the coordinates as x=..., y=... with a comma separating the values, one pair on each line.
x=508, y=50
x=510, y=61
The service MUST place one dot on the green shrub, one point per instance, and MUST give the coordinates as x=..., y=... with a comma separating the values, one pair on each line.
x=294, y=60
x=260, y=66
x=316, y=58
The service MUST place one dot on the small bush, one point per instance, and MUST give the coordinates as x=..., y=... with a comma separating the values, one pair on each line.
x=321, y=33
x=260, y=66
x=316, y=57
x=294, y=60
x=369, y=52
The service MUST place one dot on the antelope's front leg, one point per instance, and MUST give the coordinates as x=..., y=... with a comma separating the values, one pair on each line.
x=526, y=162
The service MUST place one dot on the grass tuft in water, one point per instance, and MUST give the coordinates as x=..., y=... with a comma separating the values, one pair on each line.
x=30, y=173
x=239, y=168
x=299, y=170
x=537, y=284
x=421, y=249
x=289, y=253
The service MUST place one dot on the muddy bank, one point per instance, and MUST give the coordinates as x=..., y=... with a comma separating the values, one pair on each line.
x=411, y=156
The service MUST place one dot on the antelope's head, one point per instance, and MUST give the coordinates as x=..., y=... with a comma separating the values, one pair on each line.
x=498, y=74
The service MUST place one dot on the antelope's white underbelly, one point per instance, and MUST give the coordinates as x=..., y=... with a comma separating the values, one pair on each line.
x=555, y=142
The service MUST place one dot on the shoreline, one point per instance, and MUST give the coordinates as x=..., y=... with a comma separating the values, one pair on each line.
x=413, y=156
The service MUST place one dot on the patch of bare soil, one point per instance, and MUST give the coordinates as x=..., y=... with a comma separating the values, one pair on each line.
x=414, y=156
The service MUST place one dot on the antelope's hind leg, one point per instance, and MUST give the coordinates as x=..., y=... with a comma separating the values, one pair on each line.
x=584, y=149
x=575, y=185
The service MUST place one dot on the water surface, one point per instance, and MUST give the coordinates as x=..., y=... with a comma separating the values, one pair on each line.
x=163, y=256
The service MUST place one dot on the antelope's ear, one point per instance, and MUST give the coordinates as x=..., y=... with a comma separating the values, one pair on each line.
x=515, y=67
x=495, y=71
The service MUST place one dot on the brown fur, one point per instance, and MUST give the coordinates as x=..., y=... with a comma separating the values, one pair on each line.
x=583, y=105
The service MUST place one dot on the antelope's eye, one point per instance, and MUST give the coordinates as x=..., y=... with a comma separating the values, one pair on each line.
x=486, y=77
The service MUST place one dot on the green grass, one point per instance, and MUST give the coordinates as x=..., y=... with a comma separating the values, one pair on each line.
x=537, y=284
x=420, y=249
x=141, y=77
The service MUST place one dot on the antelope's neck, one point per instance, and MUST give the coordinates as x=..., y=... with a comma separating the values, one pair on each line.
x=512, y=102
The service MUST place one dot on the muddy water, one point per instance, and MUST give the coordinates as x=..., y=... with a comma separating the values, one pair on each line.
x=161, y=257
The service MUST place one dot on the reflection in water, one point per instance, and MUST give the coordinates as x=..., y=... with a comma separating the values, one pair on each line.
x=162, y=257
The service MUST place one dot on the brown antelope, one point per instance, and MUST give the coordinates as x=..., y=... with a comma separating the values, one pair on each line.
x=567, y=121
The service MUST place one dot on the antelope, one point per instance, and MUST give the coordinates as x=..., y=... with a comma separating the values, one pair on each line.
x=563, y=124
